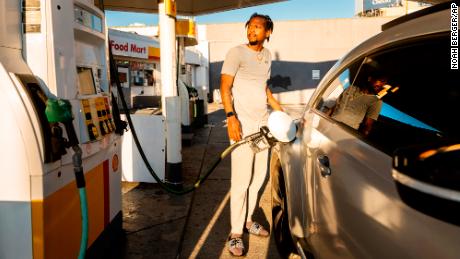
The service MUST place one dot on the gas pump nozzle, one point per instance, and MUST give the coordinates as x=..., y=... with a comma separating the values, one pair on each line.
x=261, y=140
x=280, y=128
x=59, y=110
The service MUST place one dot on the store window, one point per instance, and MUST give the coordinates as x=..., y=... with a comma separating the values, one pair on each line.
x=142, y=74
x=123, y=73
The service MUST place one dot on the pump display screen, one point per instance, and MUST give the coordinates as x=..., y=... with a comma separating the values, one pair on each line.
x=86, y=81
x=88, y=19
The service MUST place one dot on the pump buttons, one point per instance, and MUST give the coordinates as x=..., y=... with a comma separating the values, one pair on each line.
x=98, y=118
x=92, y=132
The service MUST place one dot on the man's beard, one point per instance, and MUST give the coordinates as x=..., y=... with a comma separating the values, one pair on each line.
x=252, y=43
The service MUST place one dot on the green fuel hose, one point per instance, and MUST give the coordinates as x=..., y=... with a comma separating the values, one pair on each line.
x=81, y=185
x=84, y=222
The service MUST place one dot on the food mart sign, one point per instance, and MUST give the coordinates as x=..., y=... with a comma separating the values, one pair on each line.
x=129, y=47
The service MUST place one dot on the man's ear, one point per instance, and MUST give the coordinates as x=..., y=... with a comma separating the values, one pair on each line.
x=267, y=34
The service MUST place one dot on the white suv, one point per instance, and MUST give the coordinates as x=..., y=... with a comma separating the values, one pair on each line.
x=375, y=169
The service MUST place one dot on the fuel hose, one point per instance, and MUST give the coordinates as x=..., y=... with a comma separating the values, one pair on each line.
x=201, y=179
x=81, y=185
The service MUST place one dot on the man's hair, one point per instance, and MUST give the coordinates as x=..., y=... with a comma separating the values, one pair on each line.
x=367, y=75
x=268, y=22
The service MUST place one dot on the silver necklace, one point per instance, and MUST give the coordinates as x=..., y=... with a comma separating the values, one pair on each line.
x=259, y=56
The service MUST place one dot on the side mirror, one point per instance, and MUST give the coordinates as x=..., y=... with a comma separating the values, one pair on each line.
x=428, y=179
x=282, y=126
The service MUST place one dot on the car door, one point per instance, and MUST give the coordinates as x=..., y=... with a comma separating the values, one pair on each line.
x=352, y=183
x=357, y=207
x=324, y=236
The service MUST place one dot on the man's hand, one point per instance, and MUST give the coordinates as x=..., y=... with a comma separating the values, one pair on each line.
x=272, y=101
x=234, y=128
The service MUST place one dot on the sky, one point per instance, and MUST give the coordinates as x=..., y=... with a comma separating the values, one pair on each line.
x=289, y=10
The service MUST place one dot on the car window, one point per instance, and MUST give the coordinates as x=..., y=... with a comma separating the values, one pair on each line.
x=402, y=96
x=328, y=100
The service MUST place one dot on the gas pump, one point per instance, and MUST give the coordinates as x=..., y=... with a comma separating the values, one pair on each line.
x=55, y=49
x=186, y=36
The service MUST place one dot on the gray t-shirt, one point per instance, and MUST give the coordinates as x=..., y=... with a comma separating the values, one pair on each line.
x=251, y=70
x=353, y=106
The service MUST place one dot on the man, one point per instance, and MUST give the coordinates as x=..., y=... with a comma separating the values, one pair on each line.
x=359, y=106
x=245, y=95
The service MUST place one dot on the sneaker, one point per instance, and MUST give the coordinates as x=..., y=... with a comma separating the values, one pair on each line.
x=256, y=229
x=235, y=246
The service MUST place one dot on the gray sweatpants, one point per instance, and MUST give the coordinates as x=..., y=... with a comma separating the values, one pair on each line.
x=248, y=175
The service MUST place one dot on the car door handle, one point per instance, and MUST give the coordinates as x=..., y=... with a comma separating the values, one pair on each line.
x=324, y=166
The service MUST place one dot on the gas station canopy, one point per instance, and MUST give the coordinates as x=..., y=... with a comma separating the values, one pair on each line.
x=195, y=7
x=184, y=7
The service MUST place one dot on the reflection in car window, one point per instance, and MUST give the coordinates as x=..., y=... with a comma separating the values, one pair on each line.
x=344, y=79
x=424, y=107
x=418, y=96
x=391, y=112
x=329, y=98
x=356, y=104
x=328, y=103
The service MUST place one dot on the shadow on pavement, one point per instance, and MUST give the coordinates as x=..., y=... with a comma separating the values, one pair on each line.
x=208, y=227
x=157, y=224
